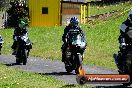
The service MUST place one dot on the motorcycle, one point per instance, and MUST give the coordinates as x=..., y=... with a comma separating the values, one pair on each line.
x=74, y=51
x=126, y=62
x=23, y=48
x=1, y=42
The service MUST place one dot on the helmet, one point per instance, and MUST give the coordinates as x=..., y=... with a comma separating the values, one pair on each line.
x=21, y=24
x=130, y=15
x=74, y=21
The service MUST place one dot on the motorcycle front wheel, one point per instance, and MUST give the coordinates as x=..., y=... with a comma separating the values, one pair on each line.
x=78, y=63
x=130, y=74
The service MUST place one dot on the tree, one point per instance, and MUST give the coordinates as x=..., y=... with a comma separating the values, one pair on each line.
x=17, y=11
x=4, y=3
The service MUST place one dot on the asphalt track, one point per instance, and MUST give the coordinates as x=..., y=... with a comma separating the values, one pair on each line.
x=56, y=69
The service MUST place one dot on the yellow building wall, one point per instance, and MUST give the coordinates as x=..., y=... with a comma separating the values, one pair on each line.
x=39, y=19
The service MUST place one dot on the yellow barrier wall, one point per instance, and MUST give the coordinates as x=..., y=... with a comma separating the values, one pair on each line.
x=83, y=14
x=39, y=19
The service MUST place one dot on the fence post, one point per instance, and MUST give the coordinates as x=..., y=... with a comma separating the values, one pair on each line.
x=81, y=14
x=89, y=9
x=84, y=13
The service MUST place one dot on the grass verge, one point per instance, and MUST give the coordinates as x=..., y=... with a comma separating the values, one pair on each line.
x=102, y=42
x=94, y=9
x=102, y=39
x=13, y=78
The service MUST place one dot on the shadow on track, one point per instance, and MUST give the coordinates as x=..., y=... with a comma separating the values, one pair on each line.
x=56, y=73
x=68, y=86
x=11, y=64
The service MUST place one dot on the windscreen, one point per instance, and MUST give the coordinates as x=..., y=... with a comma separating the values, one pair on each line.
x=75, y=38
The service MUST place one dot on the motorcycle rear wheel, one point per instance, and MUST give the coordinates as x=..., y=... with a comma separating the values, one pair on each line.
x=18, y=61
x=18, y=58
x=68, y=69
x=24, y=57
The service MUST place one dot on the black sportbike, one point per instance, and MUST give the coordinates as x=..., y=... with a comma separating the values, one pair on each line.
x=75, y=47
x=126, y=62
x=23, y=48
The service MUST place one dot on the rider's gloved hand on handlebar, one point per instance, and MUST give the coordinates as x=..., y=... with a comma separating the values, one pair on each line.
x=123, y=45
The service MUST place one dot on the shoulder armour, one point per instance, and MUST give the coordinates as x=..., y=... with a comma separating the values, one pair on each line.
x=123, y=27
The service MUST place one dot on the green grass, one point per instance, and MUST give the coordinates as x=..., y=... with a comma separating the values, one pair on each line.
x=102, y=39
x=103, y=42
x=108, y=8
x=13, y=78
x=46, y=41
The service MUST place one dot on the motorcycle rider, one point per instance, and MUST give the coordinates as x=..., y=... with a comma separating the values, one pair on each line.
x=20, y=30
x=125, y=40
x=72, y=25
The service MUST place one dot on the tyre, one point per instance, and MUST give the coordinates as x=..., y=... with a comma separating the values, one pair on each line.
x=18, y=61
x=78, y=63
x=24, y=54
x=68, y=69
x=18, y=58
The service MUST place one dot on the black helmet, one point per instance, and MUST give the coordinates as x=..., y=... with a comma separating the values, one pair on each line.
x=21, y=24
x=74, y=21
